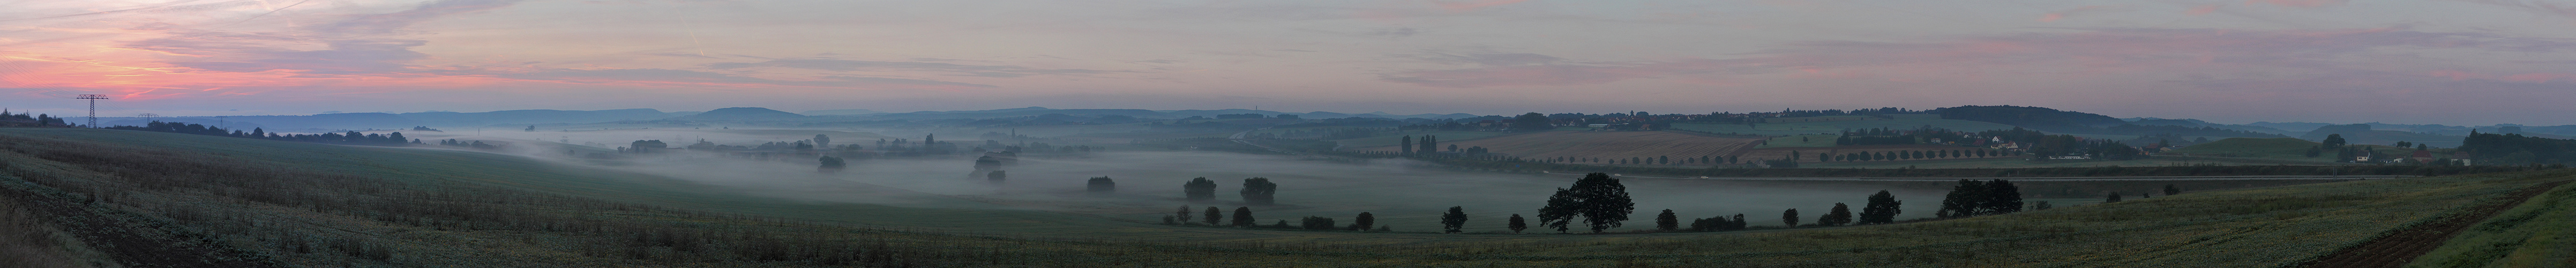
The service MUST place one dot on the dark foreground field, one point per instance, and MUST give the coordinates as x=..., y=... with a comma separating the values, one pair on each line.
x=106, y=198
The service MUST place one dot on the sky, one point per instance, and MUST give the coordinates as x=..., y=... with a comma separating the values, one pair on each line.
x=2458, y=62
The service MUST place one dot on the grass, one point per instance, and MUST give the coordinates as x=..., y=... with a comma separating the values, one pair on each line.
x=2539, y=233
x=471, y=209
x=1810, y=140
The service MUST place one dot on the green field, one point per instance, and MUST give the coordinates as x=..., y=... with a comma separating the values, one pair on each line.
x=1810, y=140
x=2537, y=233
x=711, y=212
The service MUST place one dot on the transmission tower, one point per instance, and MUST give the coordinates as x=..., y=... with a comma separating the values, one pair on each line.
x=93, y=107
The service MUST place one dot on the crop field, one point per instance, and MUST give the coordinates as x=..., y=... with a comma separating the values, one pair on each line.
x=1807, y=141
x=1603, y=144
x=1809, y=154
x=2539, y=233
x=688, y=212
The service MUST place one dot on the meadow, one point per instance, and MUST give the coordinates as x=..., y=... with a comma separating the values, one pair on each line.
x=307, y=204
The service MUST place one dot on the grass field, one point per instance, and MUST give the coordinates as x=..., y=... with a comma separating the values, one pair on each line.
x=1810, y=140
x=2250, y=147
x=2539, y=233
x=686, y=223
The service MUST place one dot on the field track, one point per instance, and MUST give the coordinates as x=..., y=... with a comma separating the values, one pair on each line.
x=2402, y=246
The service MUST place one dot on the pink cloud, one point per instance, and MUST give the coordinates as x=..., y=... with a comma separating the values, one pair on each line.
x=2094, y=53
x=2299, y=3
x=2203, y=9
x=1472, y=5
x=2054, y=16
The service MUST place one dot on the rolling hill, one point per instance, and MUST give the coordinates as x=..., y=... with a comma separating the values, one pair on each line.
x=160, y=199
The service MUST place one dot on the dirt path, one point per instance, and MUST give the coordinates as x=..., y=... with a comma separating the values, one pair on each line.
x=2398, y=249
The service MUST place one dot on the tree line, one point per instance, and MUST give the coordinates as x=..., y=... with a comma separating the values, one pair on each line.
x=352, y=137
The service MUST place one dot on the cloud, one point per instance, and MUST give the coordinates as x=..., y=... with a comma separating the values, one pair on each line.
x=1487, y=59
x=2299, y=3
x=1400, y=32
x=2054, y=16
x=390, y=23
x=2085, y=52
x=698, y=78
x=859, y=65
x=1471, y=5
x=2537, y=7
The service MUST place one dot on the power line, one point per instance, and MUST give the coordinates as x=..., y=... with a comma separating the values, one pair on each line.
x=93, y=107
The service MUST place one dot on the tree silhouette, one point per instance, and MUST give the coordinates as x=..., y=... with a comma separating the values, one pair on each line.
x=997, y=176
x=1882, y=209
x=1214, y=215
x=1243, y=217
x=1967, y=198
x=1600, y=200
x=1199, y=189
x=1184, y=214
x=1454, y=220
x=1102, y=185
x=1667, y=221
x=1840, y=215
x=2001, y=197
x=1517, y=224
x=2170, y=190
x=2114, y=197
x=1789, y=217
x=1364, y=222
x=831, y=165
x=1259, y=191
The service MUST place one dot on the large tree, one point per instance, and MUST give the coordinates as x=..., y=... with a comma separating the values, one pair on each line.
x=831, y=165
x=2001, y=197
x=1516, y=224
x=1968, y=198
x=1199, y=189
x=1453, y=221
x=1364, y=222
x=1667, y=221
x=1243, y=217
x=1599, y=199
x=1882, y=209
x=996, y=177
x=1102, y=185
x=1840, y=215
x=1789, y=217
x=1259, y=191
x=1214, y=215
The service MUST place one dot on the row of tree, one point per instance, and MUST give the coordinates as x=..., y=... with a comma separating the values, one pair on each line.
x=352, y=137
x=1256, y=191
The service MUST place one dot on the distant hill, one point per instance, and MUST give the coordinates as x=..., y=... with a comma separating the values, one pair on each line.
x=2250, y=147
x=741, y=113
x=2365, y=134
x=532, y=117
x=840, y=112
x=2043, y=119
